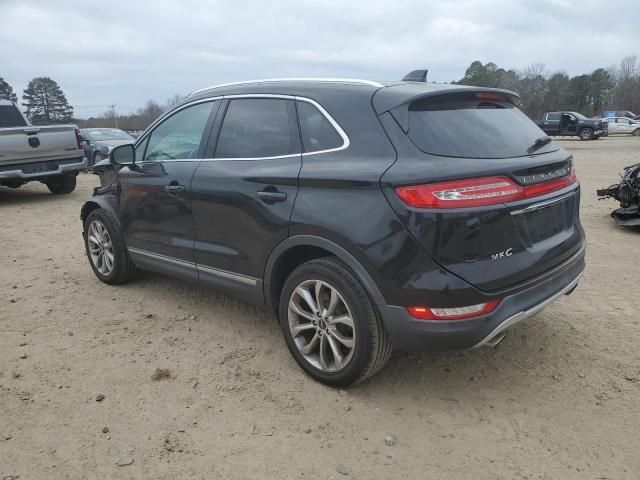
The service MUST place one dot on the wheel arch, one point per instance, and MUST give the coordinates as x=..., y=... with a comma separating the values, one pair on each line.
x=301, y=248
x=103, y=201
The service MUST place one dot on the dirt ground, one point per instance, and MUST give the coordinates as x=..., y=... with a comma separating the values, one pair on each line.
x=163, y=379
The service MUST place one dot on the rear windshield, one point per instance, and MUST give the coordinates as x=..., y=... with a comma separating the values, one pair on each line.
x=473, y=125
x=10, y=117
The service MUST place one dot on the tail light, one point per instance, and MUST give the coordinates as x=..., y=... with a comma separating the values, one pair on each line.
x=452, y=313
x=79, y=139
x=477, y=192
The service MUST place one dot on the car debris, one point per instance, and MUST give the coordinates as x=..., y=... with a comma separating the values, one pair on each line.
x=627, y=192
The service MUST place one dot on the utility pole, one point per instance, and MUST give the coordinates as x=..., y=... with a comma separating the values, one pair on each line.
x=113, y=112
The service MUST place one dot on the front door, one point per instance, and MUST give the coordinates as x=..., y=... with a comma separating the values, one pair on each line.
x=243, y=196
x=155, y=193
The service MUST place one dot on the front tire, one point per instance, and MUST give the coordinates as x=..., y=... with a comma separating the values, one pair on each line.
x=331, y=328
x=586, y=134
x=106, y=250
x=61, y=184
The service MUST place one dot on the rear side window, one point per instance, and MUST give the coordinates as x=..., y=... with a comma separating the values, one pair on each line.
x=258, y=128
x=472, y=125
x=179, y=136
x=553, y=116
x=10, y=117
x=317, y=132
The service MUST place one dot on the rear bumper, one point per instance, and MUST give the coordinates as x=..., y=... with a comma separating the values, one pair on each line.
x=410, y=334
x=38, y=170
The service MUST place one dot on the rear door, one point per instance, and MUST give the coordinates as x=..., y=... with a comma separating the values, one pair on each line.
x=244, y=192
x=551, y=123
x=483, y=191
x=156, y=196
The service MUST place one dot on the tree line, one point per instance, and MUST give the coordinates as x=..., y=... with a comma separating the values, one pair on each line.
x=613, y=88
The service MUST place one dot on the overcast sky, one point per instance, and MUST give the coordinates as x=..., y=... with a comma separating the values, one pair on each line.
x=125, y=52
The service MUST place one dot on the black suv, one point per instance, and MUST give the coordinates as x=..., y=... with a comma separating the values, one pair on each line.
x=367, y=215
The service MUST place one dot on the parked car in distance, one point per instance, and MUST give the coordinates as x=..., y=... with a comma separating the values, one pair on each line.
x=98, y=142
x=51, y=154
x=623, y=126
x=621, y=113
x=572, y=124
x=359, y=211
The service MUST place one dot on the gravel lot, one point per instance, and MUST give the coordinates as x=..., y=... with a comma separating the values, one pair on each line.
x=162, y=379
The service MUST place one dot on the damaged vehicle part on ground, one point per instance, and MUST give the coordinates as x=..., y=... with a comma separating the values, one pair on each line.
x=627, y=192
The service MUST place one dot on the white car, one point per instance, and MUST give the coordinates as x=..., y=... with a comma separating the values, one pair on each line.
x=623, y=126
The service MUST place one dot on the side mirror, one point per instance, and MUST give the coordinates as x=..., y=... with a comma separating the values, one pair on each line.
x=123, y=155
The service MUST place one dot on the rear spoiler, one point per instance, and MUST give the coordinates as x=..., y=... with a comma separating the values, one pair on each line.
x=416, y=76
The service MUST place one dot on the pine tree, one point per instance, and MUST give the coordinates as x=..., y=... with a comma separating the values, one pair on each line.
x=45, y=102
x=6, y=92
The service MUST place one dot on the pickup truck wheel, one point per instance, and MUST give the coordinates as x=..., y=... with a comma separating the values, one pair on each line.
x=106, y=250
x=61, y=184
x=330, y=326
x=586, y=133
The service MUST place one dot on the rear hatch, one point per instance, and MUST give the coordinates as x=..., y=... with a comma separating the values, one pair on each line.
x=481, y=187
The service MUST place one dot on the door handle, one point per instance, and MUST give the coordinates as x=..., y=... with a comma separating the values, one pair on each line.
x=174, y=188
x=271, y=196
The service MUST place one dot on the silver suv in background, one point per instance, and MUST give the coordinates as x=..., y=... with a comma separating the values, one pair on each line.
x=50, y=154
x=623, y=126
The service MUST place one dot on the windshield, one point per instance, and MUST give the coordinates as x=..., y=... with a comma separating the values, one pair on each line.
x=106, y=134
x=473, y=125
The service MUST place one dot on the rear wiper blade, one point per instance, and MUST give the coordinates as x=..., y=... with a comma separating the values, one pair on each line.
x=539, y=143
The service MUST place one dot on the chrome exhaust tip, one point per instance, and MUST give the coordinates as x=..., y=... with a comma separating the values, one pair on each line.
x=495, y=341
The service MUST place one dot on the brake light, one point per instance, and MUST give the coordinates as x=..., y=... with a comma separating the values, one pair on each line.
x=452, y=313
x=477, y=192
x=489, y=96
x=79, y=139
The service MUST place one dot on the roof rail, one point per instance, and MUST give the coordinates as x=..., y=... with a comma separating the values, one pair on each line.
x=269, y=80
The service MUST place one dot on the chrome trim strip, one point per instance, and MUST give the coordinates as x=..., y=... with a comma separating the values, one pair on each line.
x=8, y=174
x=158, y=256
x=346, y=142
x=225, y=274
x=518, y=317
x=301, y=79
x=547, y=203
x=183, y=263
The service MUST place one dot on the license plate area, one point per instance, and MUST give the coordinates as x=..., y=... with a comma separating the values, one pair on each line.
x=540, y=222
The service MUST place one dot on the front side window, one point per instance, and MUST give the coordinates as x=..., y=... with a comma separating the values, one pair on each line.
x=317, y=132
x=257, y=128
x=179, y=136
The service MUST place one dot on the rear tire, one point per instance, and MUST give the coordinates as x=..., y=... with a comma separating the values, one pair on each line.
x=636, y=133
x=351, y=353
x=586, y=134
x=61, y=184
x=102, y=237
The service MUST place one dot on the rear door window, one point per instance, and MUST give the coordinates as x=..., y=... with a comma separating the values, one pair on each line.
x=317, y=132
x=553, y=116
x=472, y=125
x=258, y=128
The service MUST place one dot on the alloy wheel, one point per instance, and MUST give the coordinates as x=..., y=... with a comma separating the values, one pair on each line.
x=321, y=325
x=100, y=247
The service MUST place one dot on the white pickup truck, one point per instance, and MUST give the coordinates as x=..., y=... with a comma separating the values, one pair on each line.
x=52, y=155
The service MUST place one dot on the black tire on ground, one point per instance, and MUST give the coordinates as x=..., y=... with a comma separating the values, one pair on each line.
x=123, y=267
x=372, y=347
x=636, y=133
x=586, y=133
x=61, y=184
